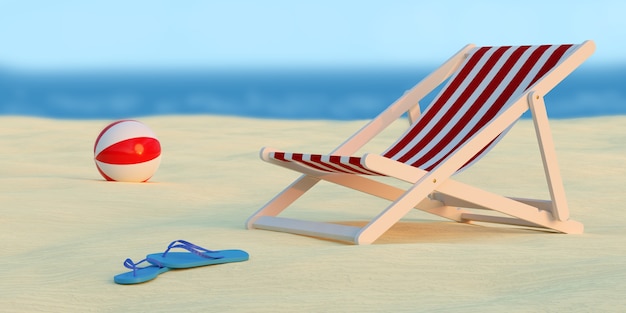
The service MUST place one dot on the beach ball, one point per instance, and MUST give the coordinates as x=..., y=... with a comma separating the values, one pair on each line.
x=127, y=151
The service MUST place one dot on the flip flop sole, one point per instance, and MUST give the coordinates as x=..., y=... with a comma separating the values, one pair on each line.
x=141, y=275
x=188, y=259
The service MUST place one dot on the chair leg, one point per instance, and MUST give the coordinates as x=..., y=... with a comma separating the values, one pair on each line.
x=548, y=155
x=284, y=199
x=393, y=213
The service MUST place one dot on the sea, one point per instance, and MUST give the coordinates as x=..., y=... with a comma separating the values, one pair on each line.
x=306, y=93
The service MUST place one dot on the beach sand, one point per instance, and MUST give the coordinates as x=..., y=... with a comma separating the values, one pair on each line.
x=65, y=231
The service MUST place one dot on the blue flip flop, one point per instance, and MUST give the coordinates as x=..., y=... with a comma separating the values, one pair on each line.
x=140, y=274
x=197, y=256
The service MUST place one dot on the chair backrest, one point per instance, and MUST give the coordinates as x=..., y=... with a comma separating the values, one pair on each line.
x=489, y=79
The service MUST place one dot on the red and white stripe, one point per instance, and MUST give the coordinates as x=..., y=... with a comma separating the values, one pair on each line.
x=325, y=163
x=127, y=150
x=483, y=86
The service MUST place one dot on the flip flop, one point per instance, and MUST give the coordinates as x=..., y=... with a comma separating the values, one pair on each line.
x=140, y=274
x=197, y=256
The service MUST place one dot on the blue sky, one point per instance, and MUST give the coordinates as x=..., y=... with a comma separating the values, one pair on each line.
x=65, y=34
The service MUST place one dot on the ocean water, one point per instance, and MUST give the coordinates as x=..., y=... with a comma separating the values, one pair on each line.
x=336, y=94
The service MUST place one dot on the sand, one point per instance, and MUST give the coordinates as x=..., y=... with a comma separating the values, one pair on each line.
x=65, y=231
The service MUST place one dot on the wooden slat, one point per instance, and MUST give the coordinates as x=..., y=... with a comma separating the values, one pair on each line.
x=470, y=217
x=308, y=228
x=450, y=200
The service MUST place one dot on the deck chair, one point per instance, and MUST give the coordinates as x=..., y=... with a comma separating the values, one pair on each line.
x=485, y=91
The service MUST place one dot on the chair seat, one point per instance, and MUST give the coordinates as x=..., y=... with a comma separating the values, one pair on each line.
x=326, y=163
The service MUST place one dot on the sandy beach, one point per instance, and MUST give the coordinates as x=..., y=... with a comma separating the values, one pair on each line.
x=66, y=231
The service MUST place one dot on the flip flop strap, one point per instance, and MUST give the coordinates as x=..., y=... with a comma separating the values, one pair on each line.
x=128, y=263
x=195, y=249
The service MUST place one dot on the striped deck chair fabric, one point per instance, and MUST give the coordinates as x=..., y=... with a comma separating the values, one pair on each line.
x=480, y=89
x=486, y=90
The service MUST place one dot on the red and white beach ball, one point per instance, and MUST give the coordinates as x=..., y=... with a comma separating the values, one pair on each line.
x=127, y=151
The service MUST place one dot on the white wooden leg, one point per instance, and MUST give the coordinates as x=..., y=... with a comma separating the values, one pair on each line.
x=285, y=198
x=548, y=155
